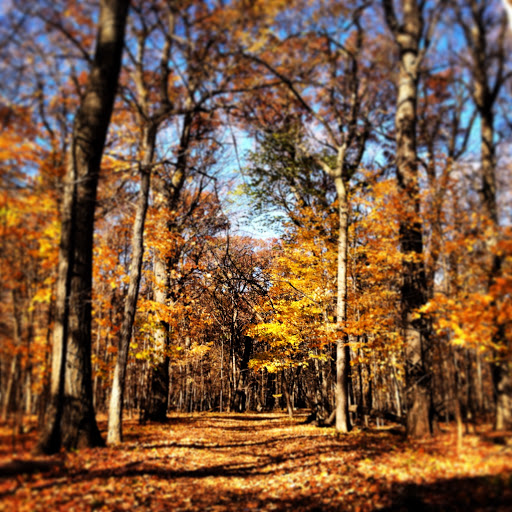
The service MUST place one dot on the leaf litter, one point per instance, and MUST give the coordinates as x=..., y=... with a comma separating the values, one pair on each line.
x=222, y=462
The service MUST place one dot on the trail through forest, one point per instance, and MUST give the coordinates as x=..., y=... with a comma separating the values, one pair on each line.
x=223, y=462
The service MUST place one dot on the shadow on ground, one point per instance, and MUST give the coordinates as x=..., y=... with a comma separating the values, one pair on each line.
x=222, y=462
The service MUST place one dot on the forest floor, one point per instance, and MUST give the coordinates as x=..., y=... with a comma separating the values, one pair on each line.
x=245, y=462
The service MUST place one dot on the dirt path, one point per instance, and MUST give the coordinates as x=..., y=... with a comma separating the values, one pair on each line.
x=221, y=462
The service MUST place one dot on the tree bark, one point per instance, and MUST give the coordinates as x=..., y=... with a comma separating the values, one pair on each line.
x=408, y=35
x=150, y=123
x=9, y=389
x=500, y=369
x=287, y=390
x=156, y=405
x=14, y=374
x=115, y=433
x=158, y=386
x=485, y=93
x=342, y=348
x=503, y=395
x=70, y=420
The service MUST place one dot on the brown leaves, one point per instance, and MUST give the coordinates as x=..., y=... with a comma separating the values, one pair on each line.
x=221, y=462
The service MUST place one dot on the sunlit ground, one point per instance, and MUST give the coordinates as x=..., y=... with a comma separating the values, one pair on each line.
x=218, y=462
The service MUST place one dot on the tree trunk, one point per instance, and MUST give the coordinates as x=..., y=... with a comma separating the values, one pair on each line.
x=342, y=348
x=14, y=374
x=70, y=420
x=454, y=393
x=115, y=415
x=10, y=387
x=156, y=406
x=408, y=34
x=158, y=386
x=502, y=380
x=485, y=94
x=503, y=395
x=287, y=390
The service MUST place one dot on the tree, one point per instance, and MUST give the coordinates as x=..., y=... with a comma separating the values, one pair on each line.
x=409, y=34
x=489, y=73
x=150, y=118
x=202, y=75
x=197, y=220
x=36, y=82
x=339, y=102
x=294, y=325
x=70, y=420
x=232, y=286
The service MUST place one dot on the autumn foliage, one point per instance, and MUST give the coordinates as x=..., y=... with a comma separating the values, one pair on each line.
x=305, y=237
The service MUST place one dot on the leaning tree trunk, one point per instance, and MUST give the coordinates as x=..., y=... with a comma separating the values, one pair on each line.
x=115, y=413
x=70, y=420
x=408, y=35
